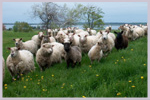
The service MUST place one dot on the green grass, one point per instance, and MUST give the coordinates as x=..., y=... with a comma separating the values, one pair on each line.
x=103, y=79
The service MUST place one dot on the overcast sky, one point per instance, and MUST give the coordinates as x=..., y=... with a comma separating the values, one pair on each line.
x=114, y=11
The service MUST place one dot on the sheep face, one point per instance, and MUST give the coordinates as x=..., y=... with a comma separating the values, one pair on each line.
x=119, y=34
x=17, y=42
x=14, y=51
x=40, y=34
x=105, y=35
x=83, y=38
x=67, y=46
x=46, y=38
x=47, y=49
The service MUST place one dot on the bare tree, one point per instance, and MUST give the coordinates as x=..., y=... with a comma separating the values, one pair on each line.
x=48, y=12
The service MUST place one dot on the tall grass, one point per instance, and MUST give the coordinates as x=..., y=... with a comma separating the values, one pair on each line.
x=117, y=75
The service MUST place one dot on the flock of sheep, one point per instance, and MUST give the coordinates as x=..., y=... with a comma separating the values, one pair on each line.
x=67, y=44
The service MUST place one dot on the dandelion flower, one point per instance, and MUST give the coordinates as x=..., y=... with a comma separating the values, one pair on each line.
x=90, y=66
x=71, y=85
x=26, y=79
x=97, y=75
x=63, y=84
x=38, y=80
x=52, y=75
x=62, y=87
x=122, y=57
x=124, y=60
x=14, y=79
x=130, y=81
x=133, y=86
x=38, y=83
x=42, y=77
x=117, y=60
x=21, y=74
x=25, y=87
x=5, y=85
x=30, y=78
x=144, y=64
x=142, y=77
x=36, y=75
x=83, y=96
x=131, y=49
x=118, y=93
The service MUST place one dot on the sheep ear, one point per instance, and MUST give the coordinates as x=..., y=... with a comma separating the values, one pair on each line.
x=52, y=45
x=78, y=35
x=121, y=32
x=100, y=32
x=9, y=48
x=14, y=39
x=115, y=32
x=70, y=43
x=18, y=48
x=20, y=39
x=107, y=32
x=73, y=33
x=98, y=43
x=85, y=35
x=43, y=45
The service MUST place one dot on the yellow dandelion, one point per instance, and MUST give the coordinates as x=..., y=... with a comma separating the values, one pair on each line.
x=22, y=78
x=38, y=80
x=63, y=84
x=44, y=89
x=90, y=66
x=42, y=77
x=36, y=75
x=124, y=60
x=5, y=84
x=21, y=74
x=38, y=83
x=142, y=77
x=130, y=81
x=122, y=57
x=97, y=75
x=118, y=93
x=131, y=49
x=83, y=96
x=133, y=86
x=30, y=78
x=117, y=60
x=144, y=64
x=26, y=79
x=25, y=86
x=71, y=85
x=5, y=87
x=62, y=87
x=52, y=75
x=14, y=79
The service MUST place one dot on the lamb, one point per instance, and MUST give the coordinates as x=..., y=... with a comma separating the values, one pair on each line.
x=91, y=32
x=47, y=39
x=73, y=54
x=96, y=52
x=48, y=55
x=121, y=41
x=132, y=35
x=19, y=62
x=29, y=45
x=3, y=68
x=108, y=42
x=86, y=42
x=138, y=30
x=38, y=39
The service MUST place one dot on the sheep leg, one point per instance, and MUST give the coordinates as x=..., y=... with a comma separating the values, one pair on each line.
x=12, y=74
x=68, y=63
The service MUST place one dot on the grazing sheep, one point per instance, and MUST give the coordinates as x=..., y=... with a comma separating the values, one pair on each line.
x=19, y=62
x=73, y=54
x=86, y=42
x=121, y=41
x=132, y=35
x=91, y=32
x=108, y=42
x=38, y=38
x=3, y=68
x=145, y=28
x=138, y=30
x=29, y=45
x=96, y=52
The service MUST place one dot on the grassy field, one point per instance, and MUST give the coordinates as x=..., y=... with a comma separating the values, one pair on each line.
x=121, y=74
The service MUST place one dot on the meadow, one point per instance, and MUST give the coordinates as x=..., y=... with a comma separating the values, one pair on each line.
x=122, y=73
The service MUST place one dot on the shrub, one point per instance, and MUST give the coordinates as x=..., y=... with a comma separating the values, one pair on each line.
x=22, y=27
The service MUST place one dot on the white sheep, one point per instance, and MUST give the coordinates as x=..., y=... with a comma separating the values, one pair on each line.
x=3, y=68
x=145, y=28
x=47, y=55
x=38, y=39
x=29, y=45
x=19, y=62
x=91, y=32
x=108, y=42
x=108, y=28
x=86, y=42
x=60, y=36
x=74, y=39
x=138, y=30
x=96, y=53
